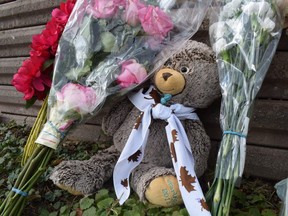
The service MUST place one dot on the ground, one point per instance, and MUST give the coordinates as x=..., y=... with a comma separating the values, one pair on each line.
x=255, y=197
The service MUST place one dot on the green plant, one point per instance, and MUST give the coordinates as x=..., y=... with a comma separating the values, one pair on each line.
x=255, y=197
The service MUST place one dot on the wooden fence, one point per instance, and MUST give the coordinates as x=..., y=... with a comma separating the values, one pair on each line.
x=267, y=151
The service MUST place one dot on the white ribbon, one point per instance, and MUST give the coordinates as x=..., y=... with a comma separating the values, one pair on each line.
x=182, y=158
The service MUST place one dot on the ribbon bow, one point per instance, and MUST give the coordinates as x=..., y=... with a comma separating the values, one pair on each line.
x=182, y=157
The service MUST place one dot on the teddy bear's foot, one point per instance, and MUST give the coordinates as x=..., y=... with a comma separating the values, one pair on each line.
x=158, y=185
x=85, y=177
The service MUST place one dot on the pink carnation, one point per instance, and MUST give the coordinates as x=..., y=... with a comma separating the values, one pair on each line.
x=104, y=8
x=76, y=97
x=132, y=73
x=154, y=21
x=130, y=14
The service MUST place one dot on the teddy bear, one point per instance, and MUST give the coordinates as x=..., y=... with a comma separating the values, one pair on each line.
x=189, y=77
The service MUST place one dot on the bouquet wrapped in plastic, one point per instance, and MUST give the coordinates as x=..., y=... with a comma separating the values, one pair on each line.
x=244, y=36
x=108, y=47
x=282, y=192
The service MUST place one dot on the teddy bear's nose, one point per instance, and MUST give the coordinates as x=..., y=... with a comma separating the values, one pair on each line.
x=166, y=76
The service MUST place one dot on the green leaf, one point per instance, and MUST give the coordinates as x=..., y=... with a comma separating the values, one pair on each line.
x=101, y=194
x=254, y=212
x=57, y=205
x=90, y=212
x=184, y=212
x=239, y=197
x=268, y=212
x=47, y=64
x=257, y=198
x=53, y=213
x=73, y=213
x=64, y=210
x=2, y=159
x=44, y=212
x=131, y=213
x=86, y=202
x=105, y=203
x=30, y=102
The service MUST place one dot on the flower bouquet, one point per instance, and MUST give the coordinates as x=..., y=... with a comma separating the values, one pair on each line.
x=282, y=192
x=34, y=77
x=244, y=37
x=108, y=47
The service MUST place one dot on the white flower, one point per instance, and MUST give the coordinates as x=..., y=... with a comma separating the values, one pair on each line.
x=267, y=24
x=219, y=45
x=166, y=4
x=218, y=30
x=235, y=25
x=231, y=8
x=259, y=8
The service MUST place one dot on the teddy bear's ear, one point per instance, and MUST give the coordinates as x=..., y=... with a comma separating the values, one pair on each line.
x=202, y=84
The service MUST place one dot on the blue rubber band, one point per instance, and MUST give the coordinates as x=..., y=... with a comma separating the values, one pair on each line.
x=165, y=98
x=234, y=133
x=58, y=131
x=17, y=191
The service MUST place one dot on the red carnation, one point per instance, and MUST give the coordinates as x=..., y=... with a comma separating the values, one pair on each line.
x=29, y=79
x=61, y=15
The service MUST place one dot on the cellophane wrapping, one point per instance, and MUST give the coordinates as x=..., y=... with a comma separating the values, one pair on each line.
x=109, y=47
x=244, y=34
x=282, y=192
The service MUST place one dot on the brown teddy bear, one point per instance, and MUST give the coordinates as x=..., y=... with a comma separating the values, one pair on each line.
x=190, y=77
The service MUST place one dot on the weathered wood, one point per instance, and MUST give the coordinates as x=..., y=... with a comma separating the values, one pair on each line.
x=256, y=136
x=6, y=1
x=266, y=114
x=16, y=42
x=260, y=161
x=264, y=130
x=26, y=13
x=83, y=132
x=8, y=67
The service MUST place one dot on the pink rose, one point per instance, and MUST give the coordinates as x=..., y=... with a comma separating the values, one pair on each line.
x=154, y=21
x=132, y=73
x=130, y=14
x=104, y=8
x=76, y=97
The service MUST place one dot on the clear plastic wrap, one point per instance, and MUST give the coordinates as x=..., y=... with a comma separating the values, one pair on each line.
x=282, y=192
x=244, y=34
x=111, y=46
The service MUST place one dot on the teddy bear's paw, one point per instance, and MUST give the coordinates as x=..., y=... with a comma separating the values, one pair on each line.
x=164, y=191
x=78, y=177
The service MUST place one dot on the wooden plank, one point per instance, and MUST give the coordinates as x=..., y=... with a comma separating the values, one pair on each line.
x=267, y=162
x=83, y=132
x=8, y=67
x=16, y=42
x=6, y=1
x=26, y=13
x=260, y=161
x=266, y=114
x=268, y=126
x=256, y=136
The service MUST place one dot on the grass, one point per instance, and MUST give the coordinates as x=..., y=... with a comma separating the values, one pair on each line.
x=255, y=197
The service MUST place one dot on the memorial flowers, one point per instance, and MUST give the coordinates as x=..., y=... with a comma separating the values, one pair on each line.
x=244, y=37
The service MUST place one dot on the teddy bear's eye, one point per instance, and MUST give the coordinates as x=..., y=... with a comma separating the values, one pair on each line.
x=184, y=69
